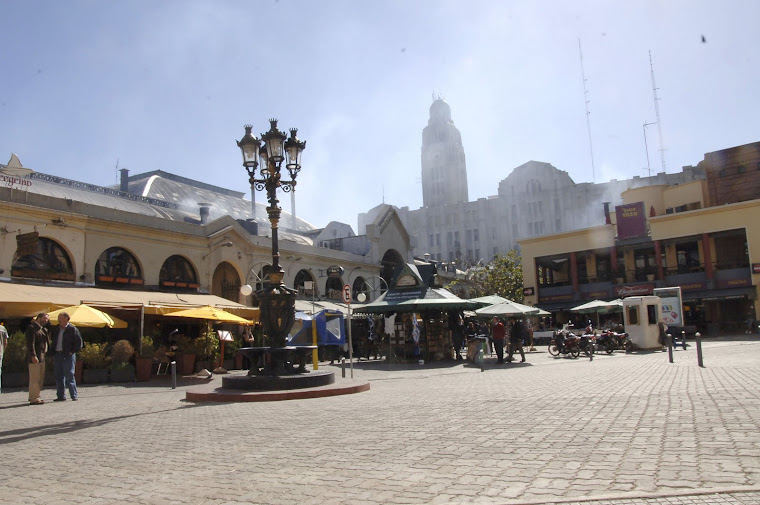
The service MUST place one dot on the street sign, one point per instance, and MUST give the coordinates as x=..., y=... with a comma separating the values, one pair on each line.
x=346, y=293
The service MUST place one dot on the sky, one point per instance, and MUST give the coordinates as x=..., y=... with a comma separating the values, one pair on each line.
x=168, y=85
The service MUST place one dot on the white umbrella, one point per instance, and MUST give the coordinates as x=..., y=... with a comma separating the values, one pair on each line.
x=507, y=309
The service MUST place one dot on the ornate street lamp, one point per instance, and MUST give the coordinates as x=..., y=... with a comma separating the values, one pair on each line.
x=263, y=163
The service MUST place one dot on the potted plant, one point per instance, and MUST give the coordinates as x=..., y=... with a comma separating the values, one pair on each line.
x=95, y=362
x=121, y=369
x=15, y=374
x=186, y=357
x=206, y=351
x=144, y=359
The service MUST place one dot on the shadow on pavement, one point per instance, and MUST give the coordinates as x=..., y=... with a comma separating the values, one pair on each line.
x=9, y=436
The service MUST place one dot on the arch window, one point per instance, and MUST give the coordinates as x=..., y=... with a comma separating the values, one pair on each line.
x=178, y=272
x=305, y=290
x=360, y=286
x=41, y=258
x=117, y=266
x=334, y=288
x=391, y=260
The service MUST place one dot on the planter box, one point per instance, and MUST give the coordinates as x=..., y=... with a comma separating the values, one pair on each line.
x=144, y=369
x=186, y=364
x=123, y=375
x=95, y=376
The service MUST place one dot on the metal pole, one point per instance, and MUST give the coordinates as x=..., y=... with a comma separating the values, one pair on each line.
x=350, y=343
x=698, y=337
x=343, y=367
x=315, y=352
x=670, y=348
x=174, y=374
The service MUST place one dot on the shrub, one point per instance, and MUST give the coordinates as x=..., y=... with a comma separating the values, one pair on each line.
x=14, y=359
x=146, y=347
x=121, y=352
x=94, y=355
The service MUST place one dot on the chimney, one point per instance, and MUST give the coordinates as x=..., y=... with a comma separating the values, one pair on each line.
x=204, y=210
x=607, y=213
x=124, y=181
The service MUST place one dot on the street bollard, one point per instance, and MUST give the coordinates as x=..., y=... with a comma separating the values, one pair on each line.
x=683, y=339
x=670, y=347
x=343, y=367
x=174, y=375
x=481, y=358
x=698, y=338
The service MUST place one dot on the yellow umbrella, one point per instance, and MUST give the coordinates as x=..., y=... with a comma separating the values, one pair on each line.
x=88, y=317
x=210, y=314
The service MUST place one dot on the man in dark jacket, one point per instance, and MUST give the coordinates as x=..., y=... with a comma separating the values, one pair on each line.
x=516, y=336
x=36, y=346
x=67, y=342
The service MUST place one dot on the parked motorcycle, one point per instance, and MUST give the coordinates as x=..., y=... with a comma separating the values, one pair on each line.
x=610, y=341
x=564, y=342
x=587, y=343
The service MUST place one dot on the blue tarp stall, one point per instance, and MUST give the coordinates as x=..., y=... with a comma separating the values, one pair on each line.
x=331, y=328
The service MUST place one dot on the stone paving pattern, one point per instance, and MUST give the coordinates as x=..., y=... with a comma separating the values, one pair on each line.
x=622, y=429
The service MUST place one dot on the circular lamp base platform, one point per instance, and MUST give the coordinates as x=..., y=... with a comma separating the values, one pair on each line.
x=278, y=383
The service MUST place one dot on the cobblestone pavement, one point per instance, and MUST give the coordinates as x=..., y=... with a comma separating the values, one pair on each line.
x=622, y=429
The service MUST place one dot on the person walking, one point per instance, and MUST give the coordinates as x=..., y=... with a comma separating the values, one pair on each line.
x=68, y=342
x=516, y=335
x=3, y=343
x=457, y=335
x=37, y=341
x=498, y=336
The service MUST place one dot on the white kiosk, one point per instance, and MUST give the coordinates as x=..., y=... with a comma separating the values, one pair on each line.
x=641, y=315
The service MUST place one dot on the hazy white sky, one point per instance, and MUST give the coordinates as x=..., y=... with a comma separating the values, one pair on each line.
x=168, y=85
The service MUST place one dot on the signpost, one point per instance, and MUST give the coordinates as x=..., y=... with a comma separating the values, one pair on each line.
x=315, y=353
x=347, y=300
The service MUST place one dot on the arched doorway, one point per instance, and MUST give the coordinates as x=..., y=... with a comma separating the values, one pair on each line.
x=391, y=260
x=226, y=282
x=334, y=288
x=41, y=258
x=119, y=267
x=178, y=273
x=299, y=284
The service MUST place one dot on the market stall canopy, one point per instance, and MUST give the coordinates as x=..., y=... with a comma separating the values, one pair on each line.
x=416, y=299
x=489, y=300
x=507, y=309
x=599, y=306
x=210, y=314
x=88, y=317
x=27, y=300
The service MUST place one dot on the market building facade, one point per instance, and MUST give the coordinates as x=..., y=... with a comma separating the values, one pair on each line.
x=157, y=232
x=699, y=236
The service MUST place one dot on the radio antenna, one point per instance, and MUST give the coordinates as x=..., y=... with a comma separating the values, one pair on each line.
x=657, y=112
x=586, y=101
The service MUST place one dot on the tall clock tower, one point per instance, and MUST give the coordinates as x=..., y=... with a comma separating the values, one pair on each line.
x=444, y=174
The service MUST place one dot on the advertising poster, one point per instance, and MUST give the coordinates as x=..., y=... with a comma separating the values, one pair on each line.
x=671, y=304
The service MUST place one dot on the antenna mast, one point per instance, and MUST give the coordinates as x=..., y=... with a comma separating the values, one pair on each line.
x=657, y=112
x=588, y=113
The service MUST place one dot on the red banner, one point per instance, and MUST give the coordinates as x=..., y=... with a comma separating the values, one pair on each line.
x=631, y=220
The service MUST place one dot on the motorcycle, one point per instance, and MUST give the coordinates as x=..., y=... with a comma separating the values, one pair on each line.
x=610, y=341
x=587, y=342
x=565, y=342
